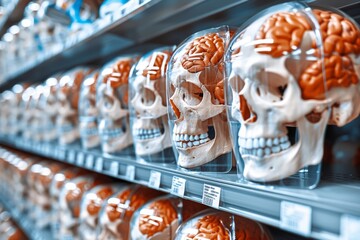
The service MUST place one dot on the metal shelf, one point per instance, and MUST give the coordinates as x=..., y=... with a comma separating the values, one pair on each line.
x=330, y=203
x=155, y=21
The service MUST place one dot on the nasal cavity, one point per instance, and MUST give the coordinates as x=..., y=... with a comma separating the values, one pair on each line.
x=175, y=109
x=245, y=111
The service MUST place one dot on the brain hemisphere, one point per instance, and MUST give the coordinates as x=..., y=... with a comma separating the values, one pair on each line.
x=211, y=228
x=155, y=71
x=163, y=215
x=340, y=38
x=119, y=74
x=95, y=204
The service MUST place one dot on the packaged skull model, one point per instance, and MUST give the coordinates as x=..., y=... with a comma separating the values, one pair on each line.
x=6, y=98
x=27, y=113
x=69, y=201
x=68, y=97
x=91, y=204
x=159, y=218
x=88, y=112
x=148, y=112
x=290, y=72
x=15, y=113
x=196, y=103
x=116, y=213
x=211, y=225
x=37, y=119
x=112, y=101
x=57, y=183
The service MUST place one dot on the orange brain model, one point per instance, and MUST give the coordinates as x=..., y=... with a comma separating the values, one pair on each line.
x=155, y=72
x=210, y=227
x=340, y=39
x=94, y=205
x=163, y=215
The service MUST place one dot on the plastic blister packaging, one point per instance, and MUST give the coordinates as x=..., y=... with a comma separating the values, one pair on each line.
x=116, y=212
x=15, y=113
x=112, y=99
x=26, y=105
x=148, y=112
x=88, y=112
x=212, y=225
x=196, y=106
x=159, y=218
x=286, y=80
x=91, y=204
x=68, y=96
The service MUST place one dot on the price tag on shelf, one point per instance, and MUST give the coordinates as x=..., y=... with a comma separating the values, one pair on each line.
x=178, y=186
x=349, y=227
x=99, y=164
x=114, y=168
x=295, y=217
x=80, y=159
x=155, y=179
x=211, y=196
x=89, y=163
x=130, y=172
x=71, y=156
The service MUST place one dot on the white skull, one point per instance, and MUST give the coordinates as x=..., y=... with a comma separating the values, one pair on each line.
x=88, y=113
x=28, y=113
x=112, y=102
x=200, y=134
x=37, y=121
x=5, y=111
x=149, y=120
x=67, y=95
x=15, y=113
x=271, y=93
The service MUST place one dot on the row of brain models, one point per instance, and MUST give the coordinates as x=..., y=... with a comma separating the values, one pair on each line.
x=262, y=96
x=77, y=204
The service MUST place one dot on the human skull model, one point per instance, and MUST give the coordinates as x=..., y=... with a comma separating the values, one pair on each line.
x=279, y=79
x=68, y=97
x=15, y=113
x=27, y=106
x=5, y=106
x=37, y=120
x=90, y=208
x=148, y=103
x=112, y=101
x=88, y=112
x=195, y=86
x=117, y=211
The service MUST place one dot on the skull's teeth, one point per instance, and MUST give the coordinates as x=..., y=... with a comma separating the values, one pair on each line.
x=147, y=133
x=188, y=141
x=261, y=147
x=112, y=133
x=89, y=132
x=66, y=128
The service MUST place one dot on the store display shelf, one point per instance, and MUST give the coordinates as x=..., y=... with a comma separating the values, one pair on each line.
x=27, y=225
x=142, y=21
x=295, y=210
x=13, y=14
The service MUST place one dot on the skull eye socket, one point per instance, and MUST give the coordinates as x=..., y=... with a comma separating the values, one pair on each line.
x=147, y=97
x=108, y=102
x=272, y=86
x=191, y=94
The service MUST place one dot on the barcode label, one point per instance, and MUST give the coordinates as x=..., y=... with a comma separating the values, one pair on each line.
x=71, y=157
x=155, y=179
x=211, y=196
x=89, y=161
x=99, y=164
x=178, y=186
x=114, y=168
x=295, y=217
x=80, y=159
x=349, y=227
x=130, y=172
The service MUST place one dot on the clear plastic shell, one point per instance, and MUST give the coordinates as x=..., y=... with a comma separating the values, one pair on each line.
x=286, y=80
x=91, y=204
x=212, y=225
x=159, y=218
x=112, y=99
x=88, y=112
x=116, y=213
x=148, y=112
x=196, y=106
x=68, y=97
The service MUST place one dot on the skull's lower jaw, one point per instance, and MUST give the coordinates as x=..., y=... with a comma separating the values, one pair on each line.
x=115, y=142
x=195, y=156
x=68, y=134
x=89, y=137
x=149, y=146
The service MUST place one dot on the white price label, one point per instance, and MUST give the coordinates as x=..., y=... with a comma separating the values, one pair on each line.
x=89, y=161
x=295, y=217
x=155, y=179
x=99, y=164
x=114, y=168
x=71, y=157
x=130, y=172
x=80, y=159
x=349, y=227
x=178, y=186
x=211, y=196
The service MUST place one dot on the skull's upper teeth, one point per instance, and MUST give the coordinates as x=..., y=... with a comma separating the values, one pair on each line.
x=188, y=141
x=111, y=133
x=261, y=147
x=147, y=133
x=89, y=131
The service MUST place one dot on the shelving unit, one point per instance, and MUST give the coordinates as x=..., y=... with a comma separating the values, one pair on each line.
x=12, y=16
x=169, y=22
